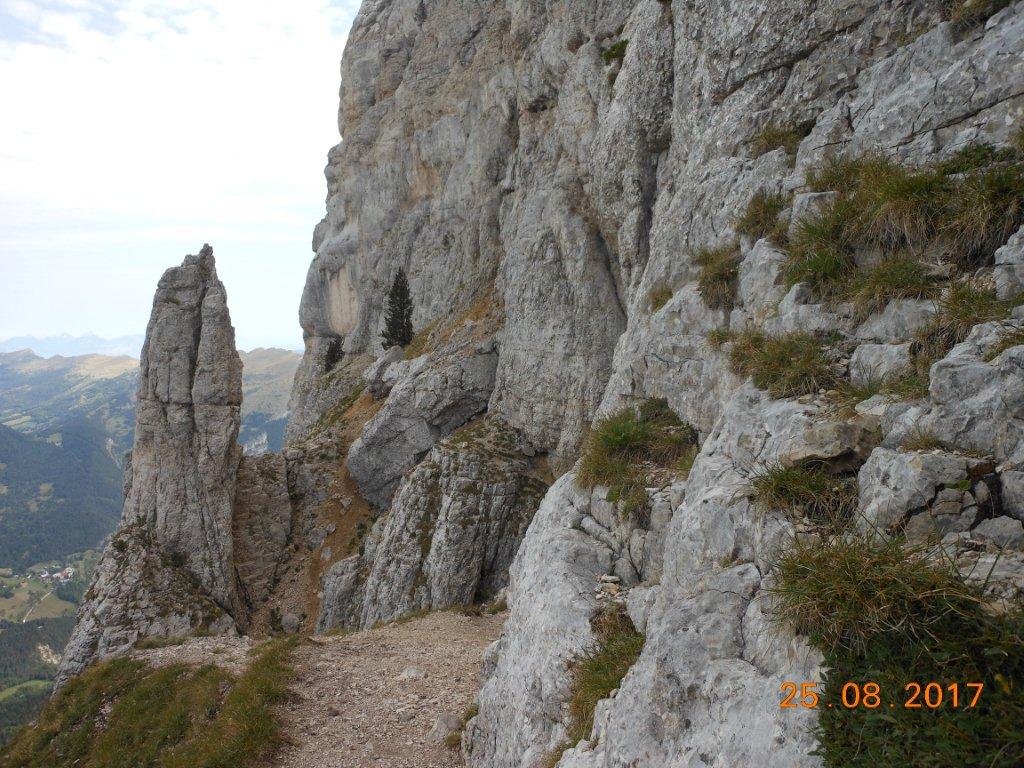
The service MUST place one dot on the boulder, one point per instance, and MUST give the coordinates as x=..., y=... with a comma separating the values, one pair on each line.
x=430, y=401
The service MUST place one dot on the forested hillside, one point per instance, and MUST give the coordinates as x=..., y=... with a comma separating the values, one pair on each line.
x=55, y=499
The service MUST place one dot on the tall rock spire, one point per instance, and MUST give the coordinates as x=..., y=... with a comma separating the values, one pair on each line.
x=186, y=454
x=169, y=569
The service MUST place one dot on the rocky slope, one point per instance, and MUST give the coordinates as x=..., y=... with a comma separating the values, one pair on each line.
x=566, y=163
x=561, y=183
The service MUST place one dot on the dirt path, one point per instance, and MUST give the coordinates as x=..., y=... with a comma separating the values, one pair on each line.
x=35, y=605
x=372, y=698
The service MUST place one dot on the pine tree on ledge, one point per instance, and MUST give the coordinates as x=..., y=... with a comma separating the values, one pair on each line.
x=398, y=315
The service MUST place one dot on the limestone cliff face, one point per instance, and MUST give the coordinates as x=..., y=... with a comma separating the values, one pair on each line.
x=170, y=568
x=561, y=160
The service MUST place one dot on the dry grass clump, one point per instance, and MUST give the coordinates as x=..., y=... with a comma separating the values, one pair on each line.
x=962, y=210
x=785, y=365
x=773, y=136
x=627, y=447
x=966, y=14
x=719, y=274
x=123, y=713
x=888, y=614
x=597, y=672
x=762, y=217
x=807, y=489
x=964, y=304
x=659, y=295
x=920, y=440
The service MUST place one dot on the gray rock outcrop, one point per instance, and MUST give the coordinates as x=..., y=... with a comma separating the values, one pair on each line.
x=431, y=398
x=262, y=524
x=449, y=535
x=170, y=569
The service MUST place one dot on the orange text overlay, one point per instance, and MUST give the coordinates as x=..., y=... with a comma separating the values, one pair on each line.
x=914, y=695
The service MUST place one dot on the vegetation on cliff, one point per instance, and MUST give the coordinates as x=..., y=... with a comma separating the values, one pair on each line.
x=124, y=713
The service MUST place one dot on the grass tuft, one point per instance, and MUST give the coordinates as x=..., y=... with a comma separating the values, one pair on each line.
x=889, y=615
x=966, y=14
x=785, y=365
x=719, y=274
x=659, y=295
x=626, y=448
x=821, y=250
x=615, y=52
x=964, y=304
x=123, y=713
x=774, y=136
x=761, y=217
x=719, y=337
x=986, y=208
x=807, y=489
x=597, y=673
x=1008, y=338
x=975, y=156
x=962, y=209
x=898, y=277
x=919, y=440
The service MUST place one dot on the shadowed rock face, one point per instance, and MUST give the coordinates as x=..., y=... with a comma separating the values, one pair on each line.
x=176, y=529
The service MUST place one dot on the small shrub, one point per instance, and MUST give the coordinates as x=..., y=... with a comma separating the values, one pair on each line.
x=659, y=295
x=807, y=489
x=898, y=277
x=774, y=136
x=785, y=365
x=889, y=615
x=719, y=273
x=615, y=52
x=624, y=448
x=761, y=218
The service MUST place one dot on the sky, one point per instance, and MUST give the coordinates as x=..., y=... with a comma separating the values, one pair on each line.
x=134, y=131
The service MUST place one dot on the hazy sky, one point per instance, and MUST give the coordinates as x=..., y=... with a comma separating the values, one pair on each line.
x=134, y=131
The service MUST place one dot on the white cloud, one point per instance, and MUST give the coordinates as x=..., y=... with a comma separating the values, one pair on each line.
x=151, y=128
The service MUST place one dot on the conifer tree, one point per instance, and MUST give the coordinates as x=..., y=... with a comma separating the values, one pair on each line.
x=398, y=314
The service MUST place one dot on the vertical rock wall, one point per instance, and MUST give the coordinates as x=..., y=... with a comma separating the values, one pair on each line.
x=574, y=156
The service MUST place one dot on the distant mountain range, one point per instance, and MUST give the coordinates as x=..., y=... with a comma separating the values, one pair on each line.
x=65, y=425
x=67, y=345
